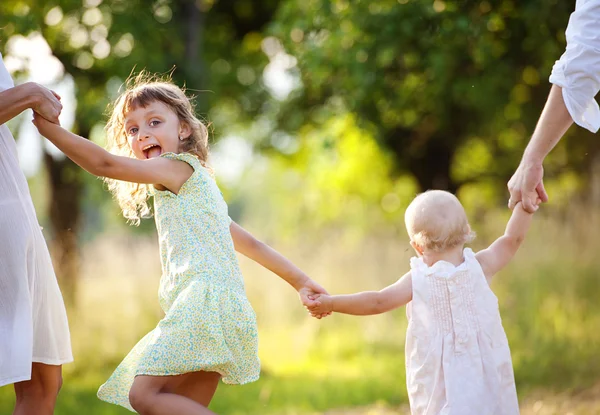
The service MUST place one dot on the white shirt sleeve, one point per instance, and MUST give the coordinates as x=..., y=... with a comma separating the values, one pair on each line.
x=577, y=71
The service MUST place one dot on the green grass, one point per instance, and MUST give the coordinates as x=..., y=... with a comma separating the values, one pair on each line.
x=548, y=299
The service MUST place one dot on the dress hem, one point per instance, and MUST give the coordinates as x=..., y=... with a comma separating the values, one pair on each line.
x=14, y=379
x=52, y=362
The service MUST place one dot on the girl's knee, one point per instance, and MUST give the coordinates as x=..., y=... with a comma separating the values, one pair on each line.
x=140, y=397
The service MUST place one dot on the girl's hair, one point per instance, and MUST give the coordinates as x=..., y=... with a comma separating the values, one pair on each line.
x=437, y=221
x=140, y=91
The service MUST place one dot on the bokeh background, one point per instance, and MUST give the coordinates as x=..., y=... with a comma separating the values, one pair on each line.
x=327, y=117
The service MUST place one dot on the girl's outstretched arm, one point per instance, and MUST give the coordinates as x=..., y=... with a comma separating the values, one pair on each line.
x=503, y=249
x=263, y=254
x=367, y=302
x=99, y=162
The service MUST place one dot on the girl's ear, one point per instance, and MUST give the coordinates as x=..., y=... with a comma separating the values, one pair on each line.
x=184, y=131
x=417, y=248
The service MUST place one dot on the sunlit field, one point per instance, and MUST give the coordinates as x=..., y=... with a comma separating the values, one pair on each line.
x=354, y=365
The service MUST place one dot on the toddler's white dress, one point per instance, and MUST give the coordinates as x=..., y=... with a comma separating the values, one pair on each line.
x=457, y=356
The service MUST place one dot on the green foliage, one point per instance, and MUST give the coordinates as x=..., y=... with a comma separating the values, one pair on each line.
x=429, y=77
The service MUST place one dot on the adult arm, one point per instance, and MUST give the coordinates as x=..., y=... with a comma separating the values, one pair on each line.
x=14, y=101
x=576, y=79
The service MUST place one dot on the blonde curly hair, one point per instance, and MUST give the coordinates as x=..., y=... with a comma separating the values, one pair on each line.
x=436, y=221
x=140, y=91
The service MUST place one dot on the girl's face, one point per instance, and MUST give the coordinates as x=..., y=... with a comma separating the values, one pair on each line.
x=154, y=130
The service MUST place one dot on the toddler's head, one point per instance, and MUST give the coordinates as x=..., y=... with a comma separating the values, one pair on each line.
x=151, y=117
x=436, y=221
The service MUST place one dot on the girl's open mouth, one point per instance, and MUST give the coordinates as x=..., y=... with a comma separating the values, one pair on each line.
x=151, y=151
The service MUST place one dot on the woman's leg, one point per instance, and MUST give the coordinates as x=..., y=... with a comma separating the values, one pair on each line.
x=38, y=395
x=187, y=394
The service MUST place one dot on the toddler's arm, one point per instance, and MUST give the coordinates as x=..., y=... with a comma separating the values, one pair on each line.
x=263, y=254
x=367, y=302
x=499, y=253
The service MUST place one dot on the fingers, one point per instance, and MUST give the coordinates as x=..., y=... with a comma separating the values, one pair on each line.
x=52, y=117
x=309, y=301
x=541, y=191
x=316, y=312
x=316, y=287
x=56, y=95
x=515, y=197
x=529, y=204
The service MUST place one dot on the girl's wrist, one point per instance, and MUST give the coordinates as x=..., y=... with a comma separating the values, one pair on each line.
x=300, y=282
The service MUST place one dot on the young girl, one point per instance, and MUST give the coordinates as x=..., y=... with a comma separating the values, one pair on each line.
x=457, y=356
x=209, y=329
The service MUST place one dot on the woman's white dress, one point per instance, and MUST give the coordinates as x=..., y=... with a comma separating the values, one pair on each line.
x=33, y=319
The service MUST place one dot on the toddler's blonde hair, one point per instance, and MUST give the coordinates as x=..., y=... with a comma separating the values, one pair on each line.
x=436, y=221
x=141, y=90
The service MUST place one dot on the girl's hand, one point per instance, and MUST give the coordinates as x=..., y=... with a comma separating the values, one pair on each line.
x=42, y=124
x=323, y=305
x=47, y=103
x=307, y=292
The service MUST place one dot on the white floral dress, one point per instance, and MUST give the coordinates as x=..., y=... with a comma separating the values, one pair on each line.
x=209, y=324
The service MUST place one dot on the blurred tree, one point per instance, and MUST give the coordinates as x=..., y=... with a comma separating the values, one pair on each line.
x=451, y=88
x=100, y=42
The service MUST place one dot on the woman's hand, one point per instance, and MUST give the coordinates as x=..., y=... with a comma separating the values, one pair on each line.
x=46, y=102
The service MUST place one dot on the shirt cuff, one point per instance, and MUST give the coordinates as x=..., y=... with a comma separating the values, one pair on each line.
x=578, y=70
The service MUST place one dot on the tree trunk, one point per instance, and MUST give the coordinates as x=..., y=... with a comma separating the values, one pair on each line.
x=429, y=159
x=65, y=213
x=431, y=167
x=194, y=20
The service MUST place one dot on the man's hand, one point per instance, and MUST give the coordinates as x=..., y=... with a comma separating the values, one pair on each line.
x=527, y=186
x=46, y=102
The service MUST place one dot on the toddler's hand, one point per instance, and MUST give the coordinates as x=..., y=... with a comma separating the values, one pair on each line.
x=307, y=294
x=322, y=305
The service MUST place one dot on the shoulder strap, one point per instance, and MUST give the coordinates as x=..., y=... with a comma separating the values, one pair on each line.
x=189, y=158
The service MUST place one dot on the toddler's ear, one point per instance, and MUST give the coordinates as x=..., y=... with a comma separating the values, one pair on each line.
x=417, y=248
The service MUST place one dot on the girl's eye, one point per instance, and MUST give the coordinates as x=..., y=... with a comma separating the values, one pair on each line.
x=154, y=123
x=133, y=130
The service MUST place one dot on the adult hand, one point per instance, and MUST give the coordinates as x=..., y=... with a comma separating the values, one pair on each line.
x=527, y=186
x=46, y=103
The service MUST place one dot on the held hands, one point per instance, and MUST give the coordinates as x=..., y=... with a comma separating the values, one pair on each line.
x=526, y=186
x=322, y=305
x=308, y=292
x=46, y=103
x=42, y=124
